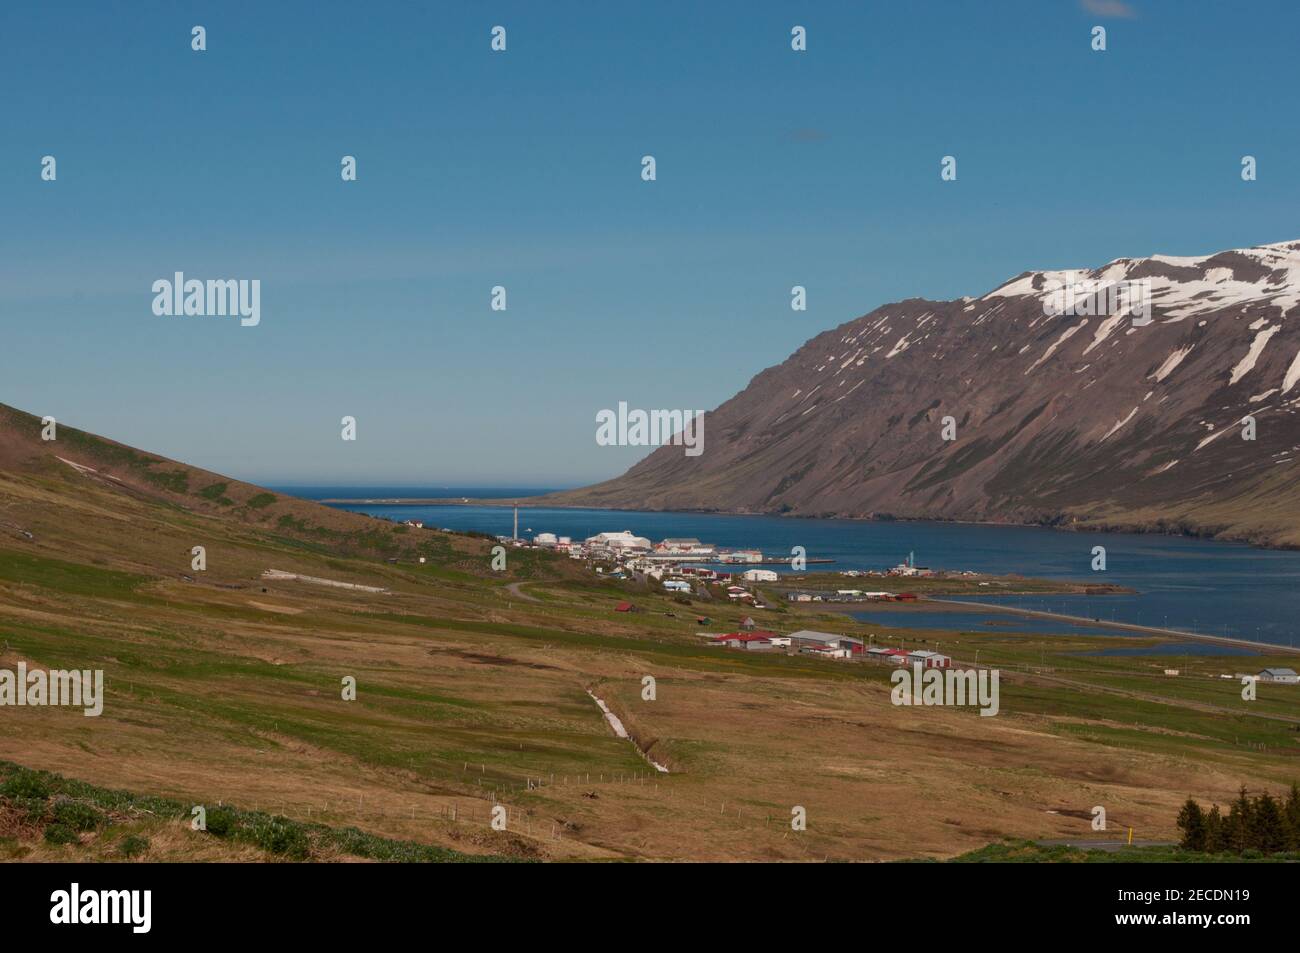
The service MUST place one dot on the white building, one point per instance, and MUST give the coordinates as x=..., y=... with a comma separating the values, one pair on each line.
x=677, y=585
x=827, y=640
x=1287, y=676
x=928, y=659
x=759, y=575
x=619, y=542
x=683, y=546
x=740, y=556
x=827, y=651
x=545, y=539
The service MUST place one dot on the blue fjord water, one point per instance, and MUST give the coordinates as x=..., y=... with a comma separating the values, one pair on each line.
x=1192, y=585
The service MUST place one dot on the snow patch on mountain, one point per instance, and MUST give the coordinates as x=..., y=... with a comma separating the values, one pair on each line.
x=1292, y=374
x=1104, y=329
x=1171, y=362
x=1065, y=336
x=1247, y=363
x=1120, y=424
x=1211, y=438
x=902, y=345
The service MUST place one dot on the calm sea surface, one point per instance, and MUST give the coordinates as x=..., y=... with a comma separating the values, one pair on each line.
x=1187, y=584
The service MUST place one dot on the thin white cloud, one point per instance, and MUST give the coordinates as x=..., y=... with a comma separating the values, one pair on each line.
x=1109, y=8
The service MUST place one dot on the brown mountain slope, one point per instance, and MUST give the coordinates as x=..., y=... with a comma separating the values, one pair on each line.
x=41, y=481
x=1076, y=419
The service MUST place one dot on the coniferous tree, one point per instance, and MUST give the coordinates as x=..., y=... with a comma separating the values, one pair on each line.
x=1191, y=821
x=1215, y=836
x=1268, y=833
x=1263, y=823
x=1291, y=812
x=1236, y=828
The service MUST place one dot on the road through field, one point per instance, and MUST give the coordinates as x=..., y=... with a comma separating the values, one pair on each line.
x=514, y=590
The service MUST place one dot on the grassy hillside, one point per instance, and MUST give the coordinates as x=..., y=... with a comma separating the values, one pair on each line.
x=225, y=687
x=47, y=817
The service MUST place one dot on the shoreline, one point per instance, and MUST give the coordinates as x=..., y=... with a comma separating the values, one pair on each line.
x=539, y=502
x=1267, y=648
x=1262, y=648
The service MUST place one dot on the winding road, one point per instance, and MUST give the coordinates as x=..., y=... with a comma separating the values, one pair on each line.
x=515, y=591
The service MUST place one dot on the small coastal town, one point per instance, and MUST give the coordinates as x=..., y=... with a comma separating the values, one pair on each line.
x=685, y=567
x=680, y=563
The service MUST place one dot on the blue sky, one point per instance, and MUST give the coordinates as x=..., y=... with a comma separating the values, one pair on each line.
x=522, y=169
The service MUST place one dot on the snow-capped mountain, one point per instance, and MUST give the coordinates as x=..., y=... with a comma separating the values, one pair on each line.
x=1121, y=396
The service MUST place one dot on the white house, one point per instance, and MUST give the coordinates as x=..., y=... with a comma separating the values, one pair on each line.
x=928, y=659
x=759, y=575
x=677, y=585
x=750, y=641
x=1286, y=676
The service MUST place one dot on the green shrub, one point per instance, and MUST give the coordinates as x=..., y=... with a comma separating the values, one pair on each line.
x=261, y=501
x=133, y=845
x=177, y=481
x=214, y=491
x=220, y=821
x=77, y=816
x=279, y=835
x=60, y=834
x=33, y=807
x=25, y=784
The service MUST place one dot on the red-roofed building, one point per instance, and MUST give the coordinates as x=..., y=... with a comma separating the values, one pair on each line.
x=758, y=639
x=897, y=656
x=624, y=607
